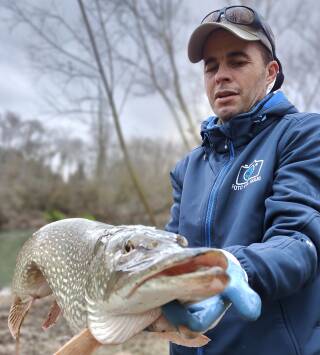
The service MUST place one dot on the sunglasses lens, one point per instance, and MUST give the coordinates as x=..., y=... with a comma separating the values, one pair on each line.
x=240, y=15
x=212, y=17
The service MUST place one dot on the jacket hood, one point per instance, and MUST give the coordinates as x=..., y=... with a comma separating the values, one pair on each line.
x=243, y=127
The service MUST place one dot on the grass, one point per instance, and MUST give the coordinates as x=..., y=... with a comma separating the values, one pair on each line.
x=10, y=244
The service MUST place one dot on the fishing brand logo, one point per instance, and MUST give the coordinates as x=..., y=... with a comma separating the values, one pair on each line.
x=248, y=174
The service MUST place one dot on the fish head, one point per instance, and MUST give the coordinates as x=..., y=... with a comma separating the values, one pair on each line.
x=138, y=268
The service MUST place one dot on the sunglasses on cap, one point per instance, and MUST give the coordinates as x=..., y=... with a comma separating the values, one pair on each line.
x=240, y=15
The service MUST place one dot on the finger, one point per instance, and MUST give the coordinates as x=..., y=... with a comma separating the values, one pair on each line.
x=176, y=313
x=210, y=313
x=245, y=300
x=199, y=306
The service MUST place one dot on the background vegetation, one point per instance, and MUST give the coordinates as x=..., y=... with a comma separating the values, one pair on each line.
x=98, y=58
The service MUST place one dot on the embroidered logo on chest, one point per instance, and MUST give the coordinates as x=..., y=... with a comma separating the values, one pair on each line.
x=248, y=174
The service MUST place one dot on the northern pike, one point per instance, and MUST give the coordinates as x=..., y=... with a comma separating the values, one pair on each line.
x=110, y=282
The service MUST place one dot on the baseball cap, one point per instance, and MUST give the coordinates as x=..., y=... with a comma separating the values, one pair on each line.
x=259, y=30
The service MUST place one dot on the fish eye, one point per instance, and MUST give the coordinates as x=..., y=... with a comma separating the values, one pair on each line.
x=129, y=246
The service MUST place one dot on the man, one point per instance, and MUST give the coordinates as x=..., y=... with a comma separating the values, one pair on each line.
x=252, y=189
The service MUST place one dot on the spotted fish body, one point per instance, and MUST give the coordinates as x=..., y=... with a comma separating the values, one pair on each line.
x=62, y=254
x=112, y=280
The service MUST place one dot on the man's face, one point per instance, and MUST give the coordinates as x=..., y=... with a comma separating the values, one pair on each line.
x=235, y=74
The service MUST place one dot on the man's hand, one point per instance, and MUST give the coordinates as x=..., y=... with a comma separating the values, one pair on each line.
x=206, y=314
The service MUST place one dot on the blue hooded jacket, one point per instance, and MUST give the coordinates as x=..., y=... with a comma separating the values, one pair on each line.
x=253, y=189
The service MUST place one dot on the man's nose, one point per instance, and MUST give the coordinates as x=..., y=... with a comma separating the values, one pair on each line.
x=223, y=74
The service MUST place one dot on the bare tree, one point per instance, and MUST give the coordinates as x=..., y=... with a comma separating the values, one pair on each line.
x=101, y=136
x=27, y=136
x=153, y=29
x=65, y=49
x=115, y=114
x=295, y=25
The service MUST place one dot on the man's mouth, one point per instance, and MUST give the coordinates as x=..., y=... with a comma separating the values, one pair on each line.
x=224, y=95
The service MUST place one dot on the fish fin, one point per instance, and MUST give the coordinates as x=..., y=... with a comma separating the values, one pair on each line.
x=17, y=346
x=187, y=333
x=17, y=313
x=83, y=343
x=116, y=329
x=161, y=328
x=52, y=316
x=161, y=325
x=176, y=338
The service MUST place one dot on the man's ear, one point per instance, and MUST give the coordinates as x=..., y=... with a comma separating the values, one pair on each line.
x=272, y=71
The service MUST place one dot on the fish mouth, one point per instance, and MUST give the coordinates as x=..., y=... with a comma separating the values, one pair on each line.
x=202, y=262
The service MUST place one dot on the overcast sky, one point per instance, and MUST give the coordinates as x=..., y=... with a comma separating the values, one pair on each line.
x=21, y=90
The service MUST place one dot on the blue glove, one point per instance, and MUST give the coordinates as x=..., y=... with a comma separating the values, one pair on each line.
x=206, y=314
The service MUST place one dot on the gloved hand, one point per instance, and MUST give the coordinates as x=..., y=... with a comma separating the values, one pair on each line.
x=206, y=314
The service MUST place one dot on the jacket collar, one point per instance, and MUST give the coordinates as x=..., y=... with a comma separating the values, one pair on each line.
x=243, y=127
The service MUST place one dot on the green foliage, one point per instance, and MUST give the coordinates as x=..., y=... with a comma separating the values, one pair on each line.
x=10, y=244
x=54, y=215
x=88, y=216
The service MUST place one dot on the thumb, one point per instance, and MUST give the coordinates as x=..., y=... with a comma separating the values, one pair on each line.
x=209, y=312
x=246, y=301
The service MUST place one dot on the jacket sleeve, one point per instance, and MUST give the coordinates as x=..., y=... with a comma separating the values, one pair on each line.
x=287, y=257
x=173, y=224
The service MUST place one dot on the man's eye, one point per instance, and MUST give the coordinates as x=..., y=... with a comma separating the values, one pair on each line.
x=211, y=68
x=238, y=63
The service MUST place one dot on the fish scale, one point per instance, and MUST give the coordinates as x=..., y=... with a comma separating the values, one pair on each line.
x=111, y=281
x=74, y=249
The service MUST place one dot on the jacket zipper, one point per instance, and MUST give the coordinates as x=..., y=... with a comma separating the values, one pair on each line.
x=289, y=330
x=213, y=195
x=212, y=203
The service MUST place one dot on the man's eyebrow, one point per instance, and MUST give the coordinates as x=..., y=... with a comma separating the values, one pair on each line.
x=229, y=55
x=238, y=54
